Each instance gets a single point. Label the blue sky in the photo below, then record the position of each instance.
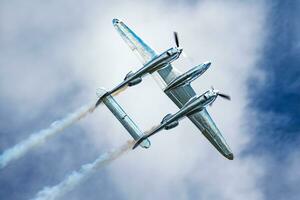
(54, 55)
(281, 63)
(279, 98)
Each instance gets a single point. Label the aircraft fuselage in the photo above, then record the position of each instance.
(188, 76)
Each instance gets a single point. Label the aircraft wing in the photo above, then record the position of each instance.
(179, 95)
(201, 119)
(141, 49)
(209, 129)
(144, 53)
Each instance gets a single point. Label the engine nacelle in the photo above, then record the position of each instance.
(170, 125)
(134, 81)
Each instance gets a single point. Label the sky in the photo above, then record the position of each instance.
(55, 54)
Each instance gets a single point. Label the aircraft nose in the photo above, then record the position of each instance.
(207, 64)
(115, 21)
(230, 156)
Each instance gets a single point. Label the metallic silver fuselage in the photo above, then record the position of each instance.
(188, 76)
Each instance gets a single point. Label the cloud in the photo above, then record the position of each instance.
(85, 50)
(77, 177)
(41, 137)
(293, 178)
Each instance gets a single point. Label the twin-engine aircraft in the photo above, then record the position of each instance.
(174, 84)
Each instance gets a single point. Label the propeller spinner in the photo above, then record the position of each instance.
(224, 96)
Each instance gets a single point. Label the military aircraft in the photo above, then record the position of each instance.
(175, 85)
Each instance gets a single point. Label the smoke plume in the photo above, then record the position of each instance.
(77, 177)
(42, 136)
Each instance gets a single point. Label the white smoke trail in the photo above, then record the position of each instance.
(77, 177)
(40, 137)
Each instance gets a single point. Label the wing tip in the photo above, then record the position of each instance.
(145, 144)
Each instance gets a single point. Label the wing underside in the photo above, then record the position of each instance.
(201, 119)
(180, 95)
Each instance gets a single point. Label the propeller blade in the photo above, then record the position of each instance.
(188, 58)
(176, 39)
(225, 96)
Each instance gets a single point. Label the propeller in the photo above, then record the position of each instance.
(176, 39)
(224, 96)
(188, 58)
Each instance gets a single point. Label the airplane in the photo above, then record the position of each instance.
(175, 85)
